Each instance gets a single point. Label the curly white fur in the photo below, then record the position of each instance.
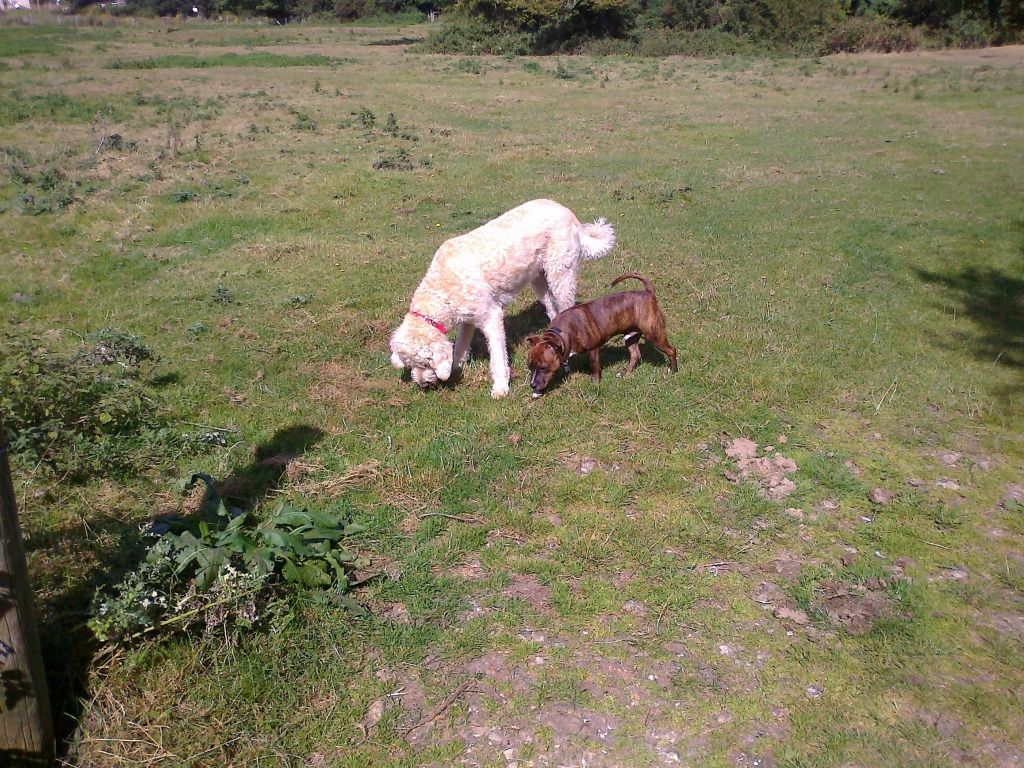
(473, 276)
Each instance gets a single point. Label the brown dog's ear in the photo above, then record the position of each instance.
(532, 340)
(555, 342)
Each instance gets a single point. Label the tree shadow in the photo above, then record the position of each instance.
(994, 301)
(116, 547)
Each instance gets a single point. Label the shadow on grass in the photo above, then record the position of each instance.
(397, 41)
(614, 357)
(247, 486)
(114, 547)
(994, 302)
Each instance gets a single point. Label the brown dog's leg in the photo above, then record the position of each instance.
(656, 335)
(632, 341)
(661, 342)
(595, 363)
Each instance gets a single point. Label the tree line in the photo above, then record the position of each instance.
(654, 26)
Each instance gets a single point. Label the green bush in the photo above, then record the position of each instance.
(469, 36)
(872, 33)
(81, 414)
(966, 30)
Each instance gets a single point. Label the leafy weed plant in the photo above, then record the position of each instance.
(226, 572)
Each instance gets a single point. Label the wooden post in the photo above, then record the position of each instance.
(26, 731)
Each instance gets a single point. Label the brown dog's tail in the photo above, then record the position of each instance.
(636, 276)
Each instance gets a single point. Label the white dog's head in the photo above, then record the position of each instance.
(423, 349)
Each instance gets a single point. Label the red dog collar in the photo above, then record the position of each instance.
(430, 320)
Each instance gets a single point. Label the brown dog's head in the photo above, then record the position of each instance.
(546, 355)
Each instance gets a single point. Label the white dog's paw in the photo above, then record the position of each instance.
(499, 390)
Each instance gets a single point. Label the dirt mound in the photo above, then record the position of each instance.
(856, 607)
(771, 473)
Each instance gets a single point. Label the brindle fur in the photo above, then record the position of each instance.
(586, 327)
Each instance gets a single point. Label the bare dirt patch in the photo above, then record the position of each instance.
(346, 386)
(856, 607)
(469, 569)
(495, 670)
(1010, 624)
(528, 588)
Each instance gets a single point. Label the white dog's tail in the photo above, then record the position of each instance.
(596, 239)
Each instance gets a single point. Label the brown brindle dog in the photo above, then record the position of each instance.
(586, 327)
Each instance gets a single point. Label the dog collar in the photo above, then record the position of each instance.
(558, 333)
(430, 320)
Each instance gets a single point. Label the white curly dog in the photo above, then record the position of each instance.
(473, 276)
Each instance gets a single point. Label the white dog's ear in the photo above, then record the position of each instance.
(397, 361)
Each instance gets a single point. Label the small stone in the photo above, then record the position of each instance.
(374, 713)
(916, 482)
(767, 593)
(815, 691)
(881, 496)
(1013, 498)
(948, 458)
(791, 614)
(795, 513)
(21, 298)
(635, 607)
(949, 485)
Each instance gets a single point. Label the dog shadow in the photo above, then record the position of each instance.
(614, 356)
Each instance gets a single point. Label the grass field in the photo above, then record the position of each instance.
(599, 577)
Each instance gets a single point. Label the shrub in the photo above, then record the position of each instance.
(87, 413)
(223, 571)
(872, 33)
(965, 30)
(698, 43)
(463, 35)
(45, 187)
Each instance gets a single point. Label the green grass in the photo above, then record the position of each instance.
(838, 247)
(260, 59)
